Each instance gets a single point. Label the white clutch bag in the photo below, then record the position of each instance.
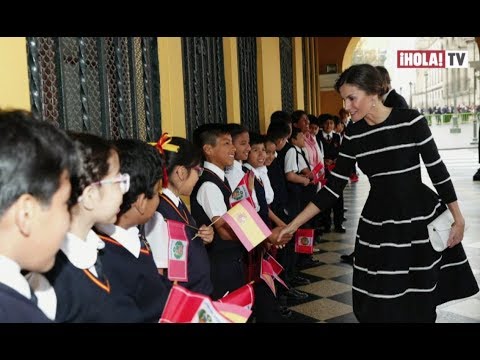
(439, 231)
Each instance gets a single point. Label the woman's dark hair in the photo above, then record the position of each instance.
(94, 154)
(144, 164)
(364, 76)
(188, 155)
(33, 156)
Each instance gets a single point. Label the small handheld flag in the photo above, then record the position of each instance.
(177, 251)
(318, 173)
(304, 241)
(242, 191)
(243, 296)
(247, 225)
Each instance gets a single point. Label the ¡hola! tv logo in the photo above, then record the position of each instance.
(432, 59)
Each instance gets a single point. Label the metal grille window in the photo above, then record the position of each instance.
(286, 70)
(106, 86)
(247, 73)
(204, 81)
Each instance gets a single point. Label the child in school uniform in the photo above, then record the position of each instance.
(36, 163)
(210, 200)
(81, 287)
(279, 131)
(266, 308)
(128, 258)
(331, 145)
(235, 173)
(182, 163)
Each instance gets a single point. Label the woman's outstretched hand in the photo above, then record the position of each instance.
(285, 233)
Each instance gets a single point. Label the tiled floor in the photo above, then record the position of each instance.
(330, 290)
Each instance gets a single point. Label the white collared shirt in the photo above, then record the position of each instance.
(156, 232)
(269, 194)
(209, 196)
(234, 174)
(82, 253)
(10, 276)
(328, 134)
(291, 160)
(127, 238)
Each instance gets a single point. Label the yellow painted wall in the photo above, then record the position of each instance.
(232, 85)
(172, 96)
(298, 98)
(269, 82)
(14, 91)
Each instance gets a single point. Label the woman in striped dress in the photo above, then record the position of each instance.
(398, 276)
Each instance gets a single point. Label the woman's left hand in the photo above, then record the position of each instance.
(456, 234)
(206, 233)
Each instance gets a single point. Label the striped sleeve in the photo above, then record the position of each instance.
(338, 178)
(431, 158)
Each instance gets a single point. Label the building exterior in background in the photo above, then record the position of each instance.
(445, 89)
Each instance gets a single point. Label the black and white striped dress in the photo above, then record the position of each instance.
(397, 274)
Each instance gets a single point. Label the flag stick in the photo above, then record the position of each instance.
(218, 218)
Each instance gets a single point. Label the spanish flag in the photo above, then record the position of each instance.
(247, 225)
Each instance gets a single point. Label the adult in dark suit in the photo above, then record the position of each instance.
(391, 98)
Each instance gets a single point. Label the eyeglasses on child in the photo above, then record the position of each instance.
(123, 179)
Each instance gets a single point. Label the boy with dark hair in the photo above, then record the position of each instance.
(36, 163)
(210, 200)
(128, 260)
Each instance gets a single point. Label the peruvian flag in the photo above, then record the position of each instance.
(177, 251)
(266, 274)
(185, 306)
(319, 174)
(276, 269)
(243, 296)
(243, 191)
(304, 241)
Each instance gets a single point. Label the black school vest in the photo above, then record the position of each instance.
(225, 249)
